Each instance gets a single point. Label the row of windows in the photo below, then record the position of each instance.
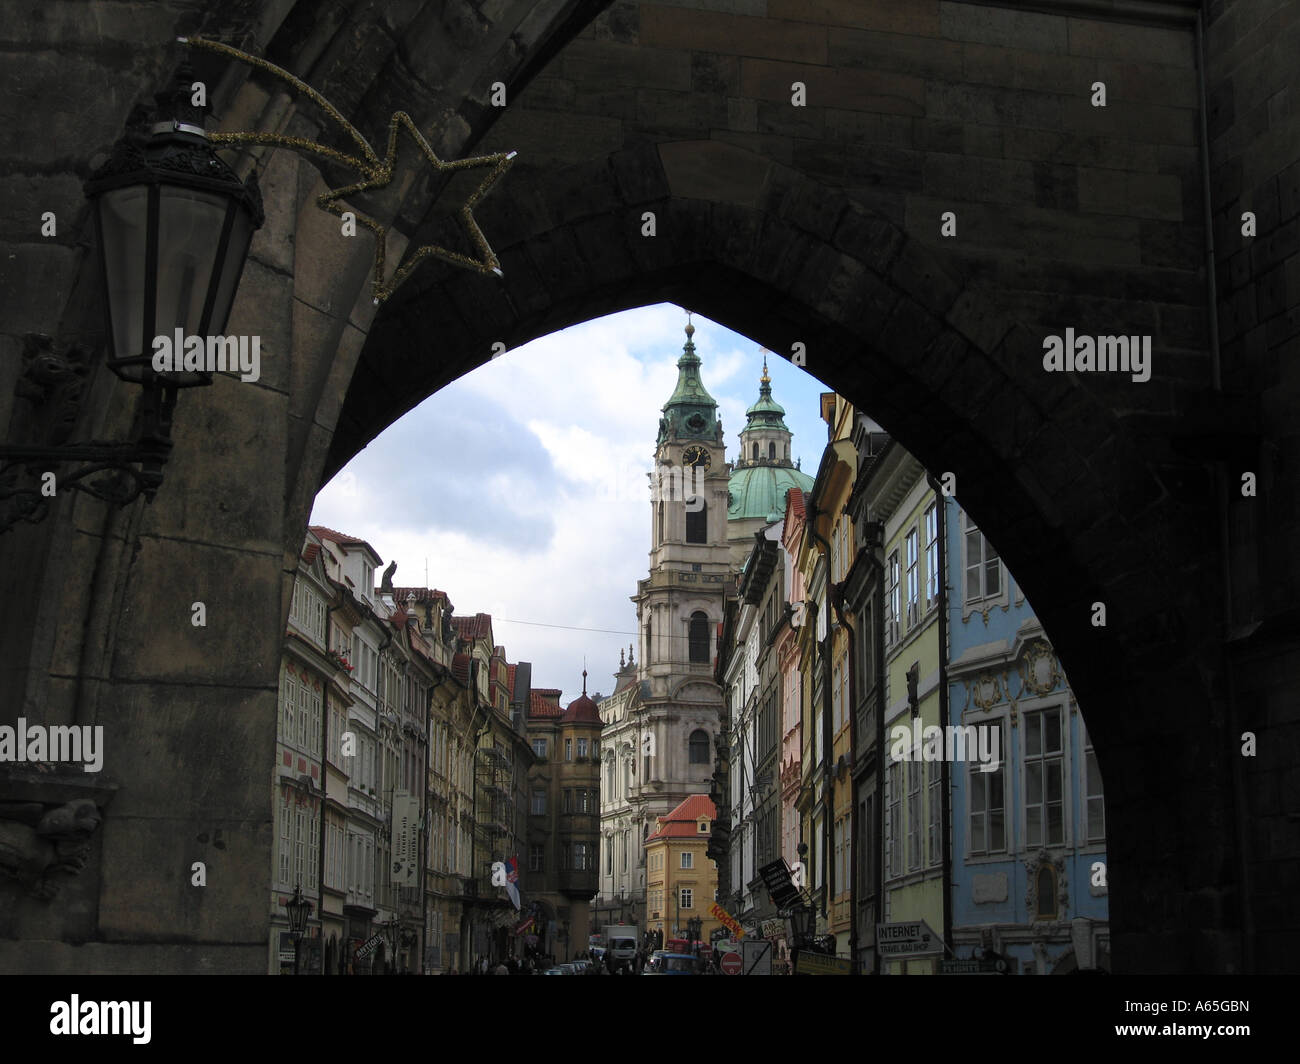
(585, 748)
(771, 451)
(1044, 771)
(579, 800)
(624, 845)
(920, 586)
(697, 637)
(685, 899)
(697, 520)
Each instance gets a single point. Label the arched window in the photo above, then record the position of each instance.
(697, 522)
(1046, 883)
(699, 746)
(647, 656)
(787, 452)
(755, 452)
(771, 451)
(660, 538)
(699, 638)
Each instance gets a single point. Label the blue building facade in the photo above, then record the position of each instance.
(1029, 839)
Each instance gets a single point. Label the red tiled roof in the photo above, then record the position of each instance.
(422, 594)
(794, 502)
(477, 627)
(311, 552)
(510, 677)
(682, 822)
(460, 668)
(343, 539)
(582, 710)
(540, 706)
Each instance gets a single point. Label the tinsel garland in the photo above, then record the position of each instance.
(376, 173)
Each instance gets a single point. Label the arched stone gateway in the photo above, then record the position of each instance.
(816, 225)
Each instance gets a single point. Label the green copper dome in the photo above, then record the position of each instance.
(690, 410)
(759, 491)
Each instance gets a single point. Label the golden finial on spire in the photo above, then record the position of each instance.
(765, 379)
(690, 329)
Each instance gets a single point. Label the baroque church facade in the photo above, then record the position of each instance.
(666, 712)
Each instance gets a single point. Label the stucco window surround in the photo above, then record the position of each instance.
(1046, 870)
(1069, 774)
(982, 604)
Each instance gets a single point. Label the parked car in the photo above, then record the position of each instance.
(552, 971)
(671, 964)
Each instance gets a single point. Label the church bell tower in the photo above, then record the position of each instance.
(680, 604)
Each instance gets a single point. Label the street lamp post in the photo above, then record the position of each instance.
(174, 224)
(298, 908)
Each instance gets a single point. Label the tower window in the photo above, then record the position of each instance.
(756, 452)
(771, 451)
(697, 522)
(699, 638)
(699, 747)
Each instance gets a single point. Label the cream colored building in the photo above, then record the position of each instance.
(681, 880)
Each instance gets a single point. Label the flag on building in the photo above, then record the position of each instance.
(512, 881)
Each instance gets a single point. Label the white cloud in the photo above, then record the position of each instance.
(552, 523)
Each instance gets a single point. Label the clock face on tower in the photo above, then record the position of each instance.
(696, 456)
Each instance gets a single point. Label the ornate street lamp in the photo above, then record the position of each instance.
(298, 908)
(174, 224)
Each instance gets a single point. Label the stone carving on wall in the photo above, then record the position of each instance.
(39, 841)
(1039, 671)
(986, 692)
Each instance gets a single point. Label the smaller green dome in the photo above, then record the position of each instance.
(759, 491)
(766, 413)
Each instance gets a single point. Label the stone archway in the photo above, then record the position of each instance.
(785, 227)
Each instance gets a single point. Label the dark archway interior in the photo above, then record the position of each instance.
(819, 227)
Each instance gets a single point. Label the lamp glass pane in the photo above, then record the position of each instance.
(189, 233)
(241, 235)
(124, 226)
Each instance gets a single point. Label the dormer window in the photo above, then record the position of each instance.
(704, 826)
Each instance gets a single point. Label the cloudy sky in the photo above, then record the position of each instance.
(531, 502)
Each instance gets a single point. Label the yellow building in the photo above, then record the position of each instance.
(681, 880)
(903, 499)
(826, 797)
(831, 530)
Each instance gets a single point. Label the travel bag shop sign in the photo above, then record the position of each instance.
(911, 939)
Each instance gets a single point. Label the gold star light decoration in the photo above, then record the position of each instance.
(375, 172)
